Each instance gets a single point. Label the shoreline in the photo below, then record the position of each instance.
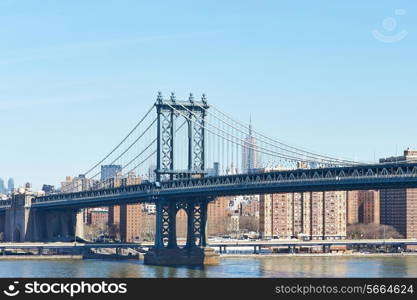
(41, 257)
(222, 256)
(319, 255)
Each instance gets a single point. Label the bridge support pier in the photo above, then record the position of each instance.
(166, 250)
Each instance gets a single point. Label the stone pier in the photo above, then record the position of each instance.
(166, 251)
(182, 256)
(24, 223)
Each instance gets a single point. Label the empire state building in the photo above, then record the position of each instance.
(250, 158)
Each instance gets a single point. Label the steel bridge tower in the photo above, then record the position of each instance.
(168, 111)
(166, 250)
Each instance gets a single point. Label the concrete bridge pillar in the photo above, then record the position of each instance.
(2, 226)
(17, 218)
(79, 223)
(22, 222)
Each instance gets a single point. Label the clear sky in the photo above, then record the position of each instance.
(75, 76)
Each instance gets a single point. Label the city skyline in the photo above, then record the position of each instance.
(7, 188)
(305, 79)
(231, 139)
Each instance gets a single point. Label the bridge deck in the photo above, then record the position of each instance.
(361, 177)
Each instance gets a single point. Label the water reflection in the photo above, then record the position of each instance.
(261, 266)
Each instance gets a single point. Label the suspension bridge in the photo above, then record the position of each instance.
(186, 154)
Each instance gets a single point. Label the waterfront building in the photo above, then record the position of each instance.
(398, 207)
(334, 215)
(369, 207)
(97, 216)
(250, 208)
(130, 215)
(318, 215)
(124, 220)
(352, 207)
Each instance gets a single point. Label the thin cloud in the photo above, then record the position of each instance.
(56, 51)
(19, 104)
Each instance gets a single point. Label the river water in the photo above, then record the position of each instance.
(261, 266)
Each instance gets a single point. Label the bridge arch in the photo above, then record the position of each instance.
(181, 220)
(187, 220)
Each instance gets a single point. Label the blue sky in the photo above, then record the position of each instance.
(75, 76)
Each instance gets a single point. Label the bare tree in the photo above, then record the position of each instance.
(114, 231)
(91, 232)
(372, 231)
(249, 223)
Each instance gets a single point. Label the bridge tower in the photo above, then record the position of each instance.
(194, 112)
(166, 250)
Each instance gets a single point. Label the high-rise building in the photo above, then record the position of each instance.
(352, 207)
(97, 216)
(319, 215)
(124, 219)
(215, 171)
(250, 157)
(334, 215)
(110, 171)
(250, 208)
(10, 185)
(265, 215)
(2, 187)
(130, 215)
(362, 207)
(151, 173)
(369, 204)
(110, 177)
(76, 184)
(398, 207)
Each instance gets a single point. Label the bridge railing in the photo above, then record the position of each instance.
(290, 176)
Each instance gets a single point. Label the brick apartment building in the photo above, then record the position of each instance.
(398, 207)
(318, 215)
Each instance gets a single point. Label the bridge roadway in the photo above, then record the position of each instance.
(364, 177)
(298, 243)
(68, 245)
(260, 243)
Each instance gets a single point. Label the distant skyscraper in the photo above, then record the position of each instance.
(215, 171)
(151, 173)
(110, 171)
(10, 185)
(232, 170)
(2, 187)
(250, 159)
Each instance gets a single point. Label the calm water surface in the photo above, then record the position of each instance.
(277, 267)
